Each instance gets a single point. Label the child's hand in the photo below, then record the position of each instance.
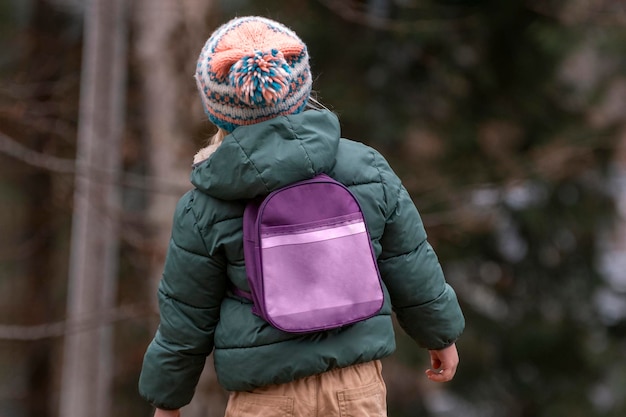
(443, 364)
(166, 413)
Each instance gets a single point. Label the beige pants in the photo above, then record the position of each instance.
(355, 391)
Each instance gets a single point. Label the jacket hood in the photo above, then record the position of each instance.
(257, 159)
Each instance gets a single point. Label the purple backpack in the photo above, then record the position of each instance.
(309, 259)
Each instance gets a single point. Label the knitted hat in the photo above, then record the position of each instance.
(252, 69)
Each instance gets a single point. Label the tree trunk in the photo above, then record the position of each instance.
(87, 362)
(170, 36)
(167, 140)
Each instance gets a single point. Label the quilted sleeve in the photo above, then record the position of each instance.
(425, 305)
(190, 293)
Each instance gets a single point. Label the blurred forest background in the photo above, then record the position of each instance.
(505, 119)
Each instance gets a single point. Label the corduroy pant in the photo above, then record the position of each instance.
(355, 391)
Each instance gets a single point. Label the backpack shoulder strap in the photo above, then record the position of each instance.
(240, 293)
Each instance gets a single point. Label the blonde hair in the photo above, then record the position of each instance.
(218, 137)
(213, 143)
(314, 103)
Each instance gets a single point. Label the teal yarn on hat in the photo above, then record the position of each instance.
(250, 70)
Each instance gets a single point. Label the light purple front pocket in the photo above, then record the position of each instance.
(301, 295)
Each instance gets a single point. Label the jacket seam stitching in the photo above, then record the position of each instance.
(169, 297)
(236, 140)
(283, 340)
(407, 253)
(189, 251)
(380, 176)
(299, 141)
(230, 219)
(199, 356)
(198, 229)
(426, 303)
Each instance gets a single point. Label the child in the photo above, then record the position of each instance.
(254, 79)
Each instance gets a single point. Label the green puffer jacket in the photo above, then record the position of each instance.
(200, 315)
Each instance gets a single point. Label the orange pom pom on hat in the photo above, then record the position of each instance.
(252, 69)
